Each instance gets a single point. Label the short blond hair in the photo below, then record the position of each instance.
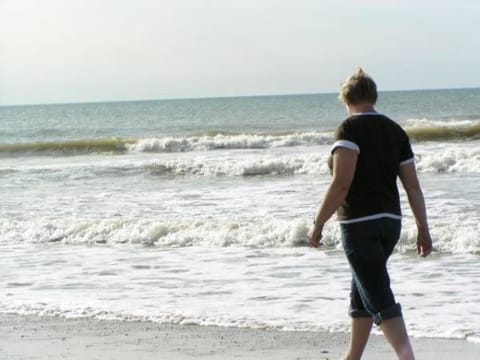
(358, 88)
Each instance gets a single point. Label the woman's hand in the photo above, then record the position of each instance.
(424, 243)
(315, 235)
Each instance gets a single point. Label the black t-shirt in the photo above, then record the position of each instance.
(382, 146)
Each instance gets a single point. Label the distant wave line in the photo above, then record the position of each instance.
(210, 141)
(418, 130)
(69, 147)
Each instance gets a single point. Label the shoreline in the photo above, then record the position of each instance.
(34, 337)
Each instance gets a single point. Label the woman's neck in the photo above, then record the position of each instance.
(360, 108)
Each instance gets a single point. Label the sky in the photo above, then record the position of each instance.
(55, 51)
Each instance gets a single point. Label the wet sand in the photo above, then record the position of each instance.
(31, 337)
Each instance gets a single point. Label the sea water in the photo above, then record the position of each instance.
(196, 212)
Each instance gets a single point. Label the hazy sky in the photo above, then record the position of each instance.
(96, 50)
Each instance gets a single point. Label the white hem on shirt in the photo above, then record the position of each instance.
(371, 217)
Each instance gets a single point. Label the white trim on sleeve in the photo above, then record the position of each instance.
(345, 144)
(408, 161)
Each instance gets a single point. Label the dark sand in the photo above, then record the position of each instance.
(31, 337)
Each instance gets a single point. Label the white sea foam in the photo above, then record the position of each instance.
(430, 123)
(221, 141)
(288, 289)
(244, 166)
(167, 233)
(226, 165)
(430, 158)
(449, 159)
(453, 158)
(422, 129)
(450, 236)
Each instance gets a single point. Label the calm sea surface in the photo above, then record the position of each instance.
(196, 211)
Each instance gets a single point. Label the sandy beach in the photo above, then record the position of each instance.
(30, 337)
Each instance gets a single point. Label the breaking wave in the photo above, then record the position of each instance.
(453, 158)
(418, 129)
(430, 130)
(454, 237)
(170, 144)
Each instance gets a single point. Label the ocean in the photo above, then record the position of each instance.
(196, 211)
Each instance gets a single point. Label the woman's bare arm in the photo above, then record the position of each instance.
(408, 176)
(344, 164)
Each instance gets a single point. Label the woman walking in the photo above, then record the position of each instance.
(369, 152)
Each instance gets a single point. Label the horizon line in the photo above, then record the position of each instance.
(219, 97)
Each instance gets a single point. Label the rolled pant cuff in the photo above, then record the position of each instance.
(390, 313)
(359, 314)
